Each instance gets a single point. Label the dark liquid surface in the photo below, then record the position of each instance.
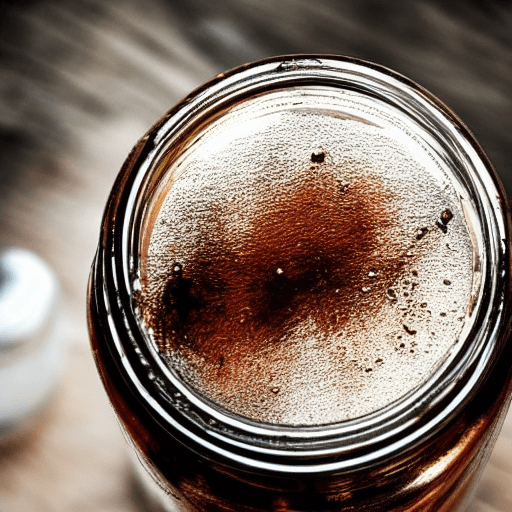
(307, 268)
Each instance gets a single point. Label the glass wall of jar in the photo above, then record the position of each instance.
(391, 193)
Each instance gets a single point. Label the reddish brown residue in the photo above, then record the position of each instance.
(308, 253)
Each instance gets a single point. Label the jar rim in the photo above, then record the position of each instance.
(332, 447)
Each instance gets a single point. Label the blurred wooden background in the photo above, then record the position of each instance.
(81, 81)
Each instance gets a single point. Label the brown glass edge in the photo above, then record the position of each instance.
(123, 183)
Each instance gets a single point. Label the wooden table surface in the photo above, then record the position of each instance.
(82, 81)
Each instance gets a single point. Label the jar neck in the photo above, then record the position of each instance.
(351, 444)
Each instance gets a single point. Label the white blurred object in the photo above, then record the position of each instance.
(31, 351)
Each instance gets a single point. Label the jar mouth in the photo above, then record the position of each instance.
(351, 442)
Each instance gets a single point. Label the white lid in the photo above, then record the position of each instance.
(28, 294)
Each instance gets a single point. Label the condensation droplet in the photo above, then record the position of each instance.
(446, 216)
(275, 390)
(391, 294)
(420, 233)
(408, 330)
(318, 156)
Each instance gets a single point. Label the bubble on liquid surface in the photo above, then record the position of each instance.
(279, 263)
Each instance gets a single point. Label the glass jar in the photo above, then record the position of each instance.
(418, 443)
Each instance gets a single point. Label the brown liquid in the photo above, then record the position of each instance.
(305, 285)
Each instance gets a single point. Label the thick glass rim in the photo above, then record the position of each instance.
(332, 447)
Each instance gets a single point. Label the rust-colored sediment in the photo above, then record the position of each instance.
(307, 255)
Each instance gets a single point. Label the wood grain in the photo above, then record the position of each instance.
(82, 81)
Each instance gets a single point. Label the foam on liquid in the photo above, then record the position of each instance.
(309, 261)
